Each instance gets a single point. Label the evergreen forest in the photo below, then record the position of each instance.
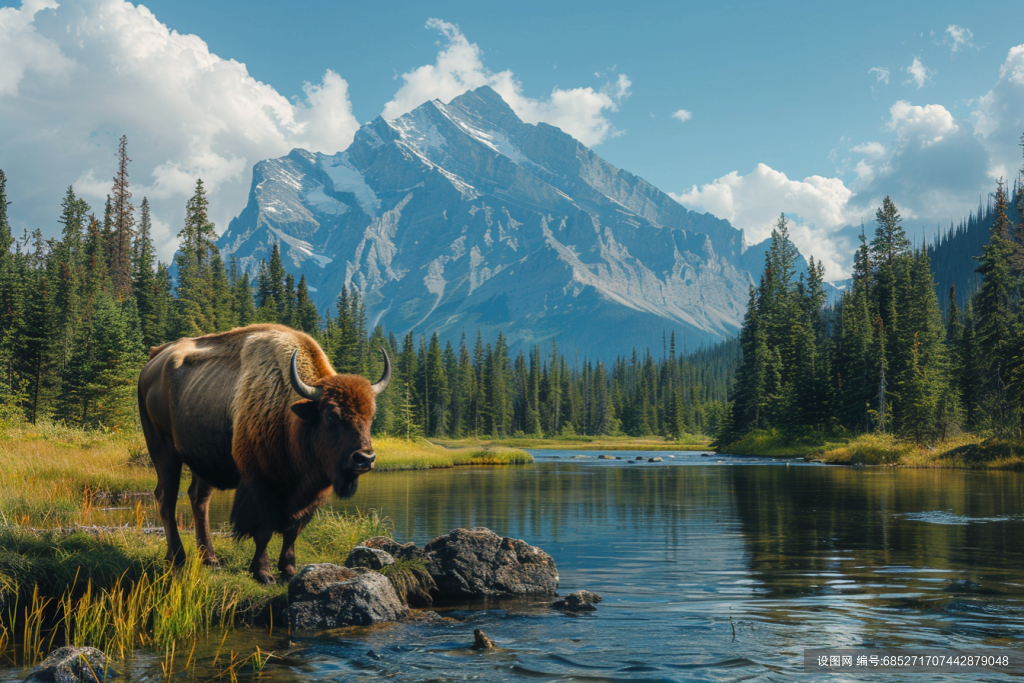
(887, 358)
(78, 314)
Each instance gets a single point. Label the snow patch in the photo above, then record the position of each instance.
(323, 203)
(346, 178)
(301, 247)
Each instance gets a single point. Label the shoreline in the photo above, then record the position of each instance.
(597, 443)
(962, 452)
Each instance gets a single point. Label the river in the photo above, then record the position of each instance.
(712, 569)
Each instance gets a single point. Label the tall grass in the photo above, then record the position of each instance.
(399, 454)
(113, 590)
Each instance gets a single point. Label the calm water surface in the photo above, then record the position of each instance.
(712, 569)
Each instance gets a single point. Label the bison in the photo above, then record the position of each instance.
(225, 405)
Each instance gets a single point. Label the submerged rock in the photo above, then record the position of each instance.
(73, 665)
(325, 596)
(962, 586)
(478, 563)
(481, 641)
(371, 558)
(655, 460)
(580, 601)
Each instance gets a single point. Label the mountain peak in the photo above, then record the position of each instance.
(458, 216)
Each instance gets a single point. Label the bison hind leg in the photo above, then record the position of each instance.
(199, 493)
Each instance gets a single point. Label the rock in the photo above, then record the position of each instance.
(705, 455)
(605, 457)
(481, 641)
(639, 458)
(478, 563)
(430, 617)
(580, 601)
(618, 457)
(73, 665)
(962, 586)
(655, 460)
(400, 551)
(371, 558)
(325, 596)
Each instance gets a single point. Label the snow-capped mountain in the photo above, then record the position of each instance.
(460, 216)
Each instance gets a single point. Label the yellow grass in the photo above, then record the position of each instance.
(51, 475)
(399, 454)
(964, 451)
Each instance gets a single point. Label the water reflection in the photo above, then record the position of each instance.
(710, 571)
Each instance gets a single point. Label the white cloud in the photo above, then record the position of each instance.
(881, 74)
(580, 112)
(753, 202)
(79, 75)
(958, 38)
(999, 118)
(871, 149)
(683, 115)
(928, 124)
(919, 73)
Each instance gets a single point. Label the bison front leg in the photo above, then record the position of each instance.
(260, 566)
(199, 492)
(286, 565)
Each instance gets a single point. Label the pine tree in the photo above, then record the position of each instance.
(196, 298)
(122, 226)
(244, 308)
(222, 305)
(11, 301)
(34, 335)
(306, 316)
(144, 279)
(994, 310)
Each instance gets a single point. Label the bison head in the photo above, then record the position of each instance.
(338, 412)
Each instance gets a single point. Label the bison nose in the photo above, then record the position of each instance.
(363, 461)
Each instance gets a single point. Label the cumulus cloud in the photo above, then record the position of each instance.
(580, 112)
(918, 72)
(958, 38)
(881, 74)
(999, 118)
(929, 124)
(79, 75)
(682, 115)
(818, 206)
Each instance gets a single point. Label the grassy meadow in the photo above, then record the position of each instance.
(70, 575)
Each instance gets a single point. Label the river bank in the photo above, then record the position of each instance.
(963, 452)
(51, 475)
(582, 443)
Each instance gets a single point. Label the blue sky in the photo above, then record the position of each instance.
(919, 100)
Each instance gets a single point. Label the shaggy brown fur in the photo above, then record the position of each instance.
(223, 405)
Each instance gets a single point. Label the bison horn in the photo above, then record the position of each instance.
(382, 383)
(300, 387)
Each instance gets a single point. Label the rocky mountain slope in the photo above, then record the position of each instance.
(460, 216)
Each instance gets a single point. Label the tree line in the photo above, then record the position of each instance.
(885, 358)
(79, 311)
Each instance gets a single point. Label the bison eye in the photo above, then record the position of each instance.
(332, 418)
